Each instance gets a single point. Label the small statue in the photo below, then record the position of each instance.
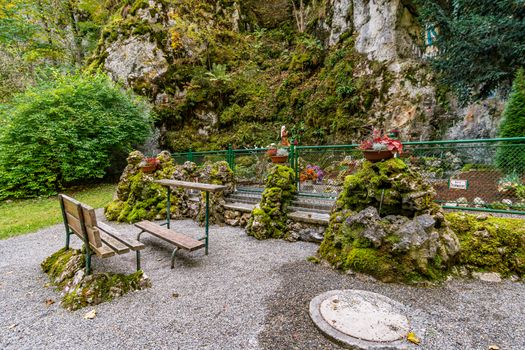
(284, 137)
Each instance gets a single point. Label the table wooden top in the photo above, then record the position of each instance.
(192, 185)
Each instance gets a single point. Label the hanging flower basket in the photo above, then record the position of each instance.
(377, 156)
(279, 159)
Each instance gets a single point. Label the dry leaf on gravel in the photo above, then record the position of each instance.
(50, 302)
(412, 337)
(494, 347)
(91, 315)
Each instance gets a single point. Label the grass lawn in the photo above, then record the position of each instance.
(24, 216)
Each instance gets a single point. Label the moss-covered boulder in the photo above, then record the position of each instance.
(490, 244)
(386, 224)
(391, 186)
(139, 198)
(66, 271)
(268, 219)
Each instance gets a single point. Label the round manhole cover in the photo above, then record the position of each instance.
(360, 315)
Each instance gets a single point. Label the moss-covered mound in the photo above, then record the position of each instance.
(268, 220)
(66, 271)
(139, 198)
(385, 224)
(390, 185)
(490, 244)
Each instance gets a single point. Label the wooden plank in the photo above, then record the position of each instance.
(90, 221)
(133, 244)
(116, 245)
(75, 225)
(71, 206)
(103, 251)
(178, 239)
(191, 185)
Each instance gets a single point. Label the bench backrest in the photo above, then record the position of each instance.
(81, 219)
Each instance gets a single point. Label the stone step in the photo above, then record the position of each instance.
(242, 207)
(242, 200)
(310, 218)
(309, 210)
(313, 205)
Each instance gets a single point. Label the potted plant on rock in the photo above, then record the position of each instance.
(149, 165)
(380, 147)
(281, 156)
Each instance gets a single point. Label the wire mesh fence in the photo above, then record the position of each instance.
(485, 175)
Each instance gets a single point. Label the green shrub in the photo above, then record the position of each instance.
(66, 131)
(511, 158)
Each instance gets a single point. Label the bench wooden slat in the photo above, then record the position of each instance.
(116, 245)
(133, 244)
(71, 206)
(90, 222)
(103, 251)
(178, 239)
(76, 227)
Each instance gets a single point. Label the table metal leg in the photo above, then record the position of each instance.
(168, 208)
(207, 221)
(173, 257)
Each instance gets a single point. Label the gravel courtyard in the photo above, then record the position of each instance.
(246, 294)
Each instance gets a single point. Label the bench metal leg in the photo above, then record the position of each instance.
(138, 235)
(88, 262)
(138, 260)
(173, 257)
(207, 221)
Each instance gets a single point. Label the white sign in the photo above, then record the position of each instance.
(458, 184)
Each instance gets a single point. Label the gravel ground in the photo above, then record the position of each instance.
(246, 294)
(457, 315)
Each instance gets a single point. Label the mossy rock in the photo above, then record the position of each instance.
(65, 269)
(490, 243)
(269, 220)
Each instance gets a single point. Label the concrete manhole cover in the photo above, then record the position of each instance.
(361, 319)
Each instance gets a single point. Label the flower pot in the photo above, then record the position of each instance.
(377, 156)
(272, 152)
(149, 168)
(279, 159)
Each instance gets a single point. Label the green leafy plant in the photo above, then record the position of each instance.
(508, 158)
(66, 131)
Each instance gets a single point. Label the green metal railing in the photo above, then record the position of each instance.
(482, 174)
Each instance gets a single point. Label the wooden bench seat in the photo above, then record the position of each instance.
(99, 238)
(181, 241)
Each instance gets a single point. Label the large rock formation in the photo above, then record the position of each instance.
(386, 224)
(215, 79)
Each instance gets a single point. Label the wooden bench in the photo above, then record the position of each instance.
(181, 241)
(99, 238)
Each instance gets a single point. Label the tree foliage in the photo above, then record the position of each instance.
(66, 131)
(508, 158)
(481, 42)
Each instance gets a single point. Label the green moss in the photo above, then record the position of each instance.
(269, 221)
(370, 261)
(492, 244)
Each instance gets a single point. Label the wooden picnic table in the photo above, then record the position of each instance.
(205, 187)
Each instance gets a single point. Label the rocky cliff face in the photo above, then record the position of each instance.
(225, 72)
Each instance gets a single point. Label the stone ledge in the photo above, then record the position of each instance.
(242, 207)
(311, 218)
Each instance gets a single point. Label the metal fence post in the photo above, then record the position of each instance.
(230, 158)
(190, 155)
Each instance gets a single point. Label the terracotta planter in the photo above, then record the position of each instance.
(272, 152)
(149, 168)
(377, 156)
(279, 159)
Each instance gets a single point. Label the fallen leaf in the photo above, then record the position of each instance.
(50, 302)
(175, 295)
(412, 337)
(13, 326)
(91, 315)
(494, 347)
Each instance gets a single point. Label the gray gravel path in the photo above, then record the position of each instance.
(246, 294)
